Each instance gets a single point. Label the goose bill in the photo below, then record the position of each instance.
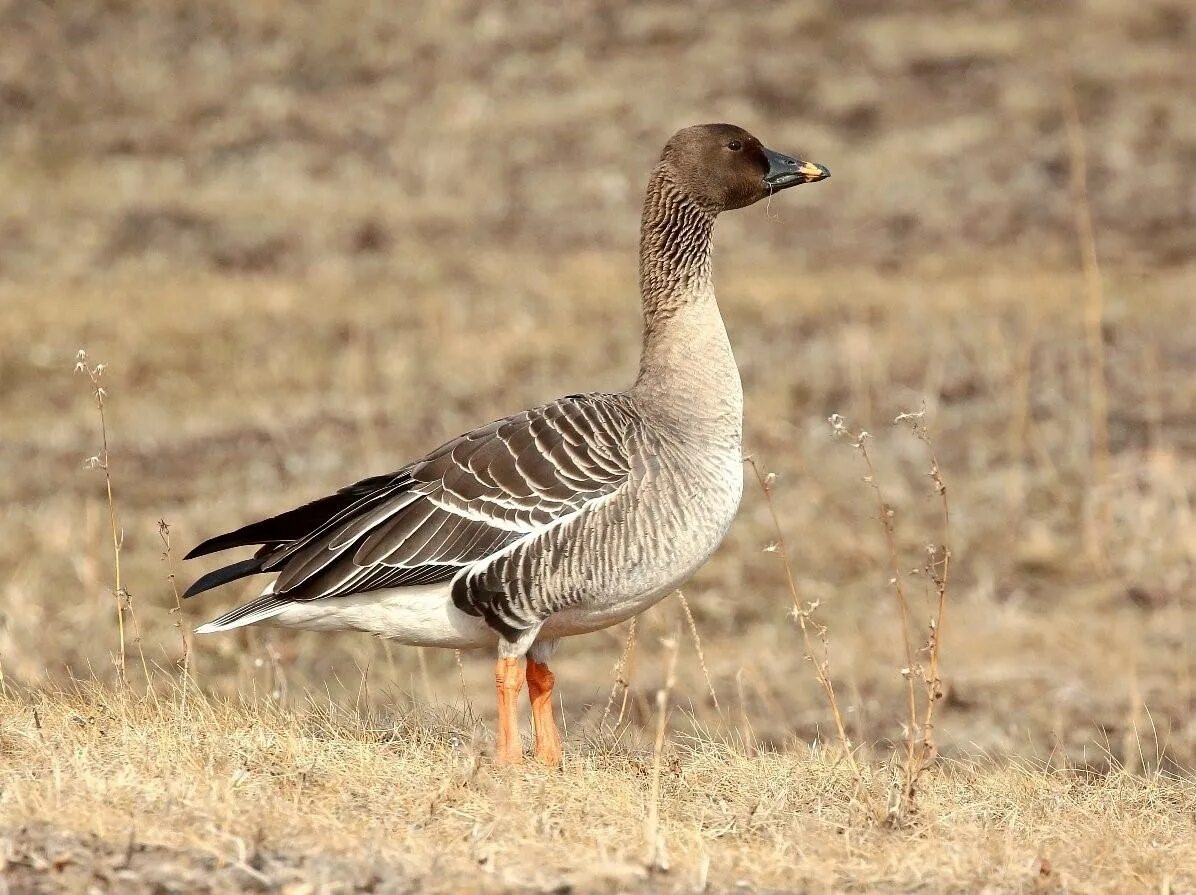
(785, 171)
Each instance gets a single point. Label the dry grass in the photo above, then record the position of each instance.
(249, 795)
(269, 241)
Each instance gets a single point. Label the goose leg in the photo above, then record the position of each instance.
(508, 679)
(539, 689)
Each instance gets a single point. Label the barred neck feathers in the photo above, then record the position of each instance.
(687, 371)
(675, 238)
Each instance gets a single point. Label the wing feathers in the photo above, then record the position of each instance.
(464, 504)
(391, 535)
(357, 526)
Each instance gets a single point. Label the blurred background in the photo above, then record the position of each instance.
(311, 241)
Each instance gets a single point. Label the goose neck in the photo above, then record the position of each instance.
(687, 370)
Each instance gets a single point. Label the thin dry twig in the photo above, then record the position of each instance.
(693, 630)
(184, 661)
(886, 514)
(421, 658)
(919, 741)
(937, 569)
(461, 676)
(620, 680)
(746, 734)
(1099, 517)
(657, 856)
(279, 687)
(124, 603)
(810, 628)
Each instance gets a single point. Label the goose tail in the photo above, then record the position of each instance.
(264, 607)
(224, 575)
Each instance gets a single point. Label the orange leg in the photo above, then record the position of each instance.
(508, 678)
(539, 688)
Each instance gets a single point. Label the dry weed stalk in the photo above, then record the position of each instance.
(124, 600)
(937, 569)
(747, 734)
(920, 746)
(693, 630)
(657, 856)
(1099, 516)
(279, 688)
(619, 673)
(811, 630)
(168, 558)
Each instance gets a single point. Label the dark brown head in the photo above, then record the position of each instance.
(721, 167)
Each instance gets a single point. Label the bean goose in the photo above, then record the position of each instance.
(559, 520)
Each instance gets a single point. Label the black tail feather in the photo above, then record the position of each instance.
(293, 524)
(291, 527)
(224, 575)
(278, 529)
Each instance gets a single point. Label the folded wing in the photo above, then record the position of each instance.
(460, 506)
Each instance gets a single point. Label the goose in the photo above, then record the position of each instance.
(560, 520)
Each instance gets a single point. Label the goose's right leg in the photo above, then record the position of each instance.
(540, 682)
(539, 687)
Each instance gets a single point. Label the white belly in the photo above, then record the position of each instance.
(418, 616)
(426, 616)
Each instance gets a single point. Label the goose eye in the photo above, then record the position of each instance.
(735, 146)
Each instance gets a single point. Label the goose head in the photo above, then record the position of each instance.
(722, 167)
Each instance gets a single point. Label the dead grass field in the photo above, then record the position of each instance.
(227, 797)
(311, 244)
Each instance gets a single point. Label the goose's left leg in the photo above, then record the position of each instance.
(508, 680)
(540, 682)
